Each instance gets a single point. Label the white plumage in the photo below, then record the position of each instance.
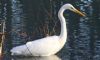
(49, 45)
(35, 47)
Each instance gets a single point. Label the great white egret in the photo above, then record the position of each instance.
(49, 45)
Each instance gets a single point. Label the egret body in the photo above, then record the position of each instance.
(49, 45)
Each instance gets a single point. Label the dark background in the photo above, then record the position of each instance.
(27, 20)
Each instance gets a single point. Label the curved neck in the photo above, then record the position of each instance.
(63, 34)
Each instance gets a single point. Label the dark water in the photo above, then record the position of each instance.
(23, 22)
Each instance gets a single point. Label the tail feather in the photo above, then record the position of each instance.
(20, 50)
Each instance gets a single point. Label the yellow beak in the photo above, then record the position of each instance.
(77, 11)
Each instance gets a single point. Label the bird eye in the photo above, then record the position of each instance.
(71, 7)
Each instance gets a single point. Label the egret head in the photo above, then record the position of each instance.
(72, 8)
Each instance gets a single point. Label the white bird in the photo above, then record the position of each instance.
(49, 45)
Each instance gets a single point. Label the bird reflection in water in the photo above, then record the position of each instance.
(52, 57)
